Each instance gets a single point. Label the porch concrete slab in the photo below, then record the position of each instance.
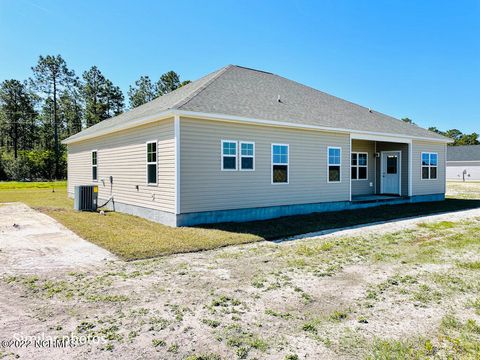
(374, 197)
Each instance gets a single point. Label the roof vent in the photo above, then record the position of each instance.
(369, 110)
(279, 99)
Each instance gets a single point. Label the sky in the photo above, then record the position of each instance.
(416, 59)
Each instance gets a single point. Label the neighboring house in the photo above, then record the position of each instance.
(463, 163)
(242, 144)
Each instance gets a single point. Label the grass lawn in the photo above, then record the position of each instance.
(134, 238)
(464, 190)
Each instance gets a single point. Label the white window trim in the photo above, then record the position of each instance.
(422, 166)
(272, 163)
(151, 162)
(240, 156)
(222, 155)
(94, 166)
(328, 164)
(358, 166)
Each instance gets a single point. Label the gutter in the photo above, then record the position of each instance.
(128, 125)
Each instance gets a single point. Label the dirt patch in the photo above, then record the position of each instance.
(32, 242)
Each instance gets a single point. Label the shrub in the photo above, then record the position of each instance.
(3, 175)
(16, 169)
(32, 165)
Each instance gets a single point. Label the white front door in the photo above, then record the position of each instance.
(390, 172)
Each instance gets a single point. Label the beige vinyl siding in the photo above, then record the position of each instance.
(204, 187)
(362, 187)
(123, 155)
(426, 187)
(403, 148)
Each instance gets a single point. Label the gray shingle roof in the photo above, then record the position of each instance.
(238, 91)
(463, 153)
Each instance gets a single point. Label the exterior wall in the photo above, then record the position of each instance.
(204, 187)
(365, 187)
(425, 187)
(123, 156)
(455, 170)
(207, 194)
(403, 148)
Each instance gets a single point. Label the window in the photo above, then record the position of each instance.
(94, 165)
(359, 166)
(429, 166)
(334, 164)
(152, 163)
(229, 155)
(392, 164)
(279, 164)
(247, 156)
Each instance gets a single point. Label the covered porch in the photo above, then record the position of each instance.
(380, 169)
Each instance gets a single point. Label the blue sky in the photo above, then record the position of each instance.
(419, 59)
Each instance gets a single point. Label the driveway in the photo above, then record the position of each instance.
(32, 242)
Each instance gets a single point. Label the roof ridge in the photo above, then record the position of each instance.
(187, 99)
(252, 69)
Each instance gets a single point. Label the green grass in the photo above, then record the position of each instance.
(474, 265)
(457, 340)
(134, 238)
(127, 236)
(9, 185)
(463, 190)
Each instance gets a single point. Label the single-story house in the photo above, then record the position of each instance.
(463, 163)
(241, 144)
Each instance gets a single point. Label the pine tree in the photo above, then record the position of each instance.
(92, 91)
(17, 119)
(70, 113)
(52, 77)
(102, 98)
(142, 92)
(168, 82)
(113, 98)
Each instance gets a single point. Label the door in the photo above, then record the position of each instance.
(391, 172)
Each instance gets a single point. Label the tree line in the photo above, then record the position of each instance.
(456, 135)
(36, 114)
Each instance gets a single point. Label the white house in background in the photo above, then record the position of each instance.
(242, 144)
(463, 163)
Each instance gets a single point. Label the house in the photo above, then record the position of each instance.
(242, 144)
(463, 163)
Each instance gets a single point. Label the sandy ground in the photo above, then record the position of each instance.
(32, 242)
(249, 301)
